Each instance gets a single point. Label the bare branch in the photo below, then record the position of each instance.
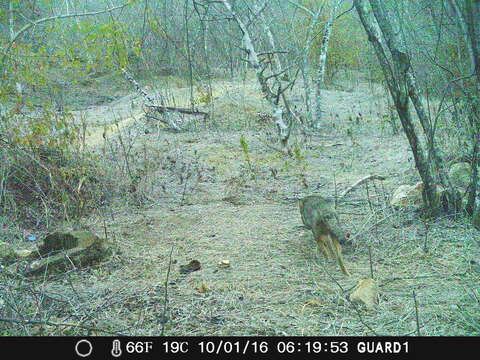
(346, 11)
(57, 17)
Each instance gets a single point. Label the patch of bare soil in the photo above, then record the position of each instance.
(261, 272)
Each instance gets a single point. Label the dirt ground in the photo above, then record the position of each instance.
(245, 212)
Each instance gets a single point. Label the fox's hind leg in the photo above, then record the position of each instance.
(329, 244)
(339, 256)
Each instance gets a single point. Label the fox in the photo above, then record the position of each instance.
(319, 216)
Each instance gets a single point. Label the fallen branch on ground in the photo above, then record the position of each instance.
(162, 109)
(152, 107)
(360, 182)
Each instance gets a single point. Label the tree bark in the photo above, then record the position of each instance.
(270, 37)
(471, 23)
(322, 60)
(253, 60)
(398, 76)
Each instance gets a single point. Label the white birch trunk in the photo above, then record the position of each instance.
(306, 66)
(277, 111)
(322, 60)
(271, 39)
(10, 20)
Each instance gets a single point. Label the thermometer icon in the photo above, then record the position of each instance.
(116, 349)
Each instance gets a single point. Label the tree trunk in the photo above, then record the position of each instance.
(397, 74)
(306, 66)
(462, 24)
(266, 28)
(322, 60)
(472, 11)
(253, 60)
(471, 22)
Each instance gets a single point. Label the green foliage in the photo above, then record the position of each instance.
(244, 145)
(49, 130)
(205, 97)
(246, 154)
(298, 154)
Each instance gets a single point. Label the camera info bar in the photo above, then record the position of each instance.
(92, 347)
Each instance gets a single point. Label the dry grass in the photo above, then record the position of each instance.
(277, 282)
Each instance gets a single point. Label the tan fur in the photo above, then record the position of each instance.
(319, 216)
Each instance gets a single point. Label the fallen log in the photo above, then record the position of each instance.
(150, 106)
(162, 109)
